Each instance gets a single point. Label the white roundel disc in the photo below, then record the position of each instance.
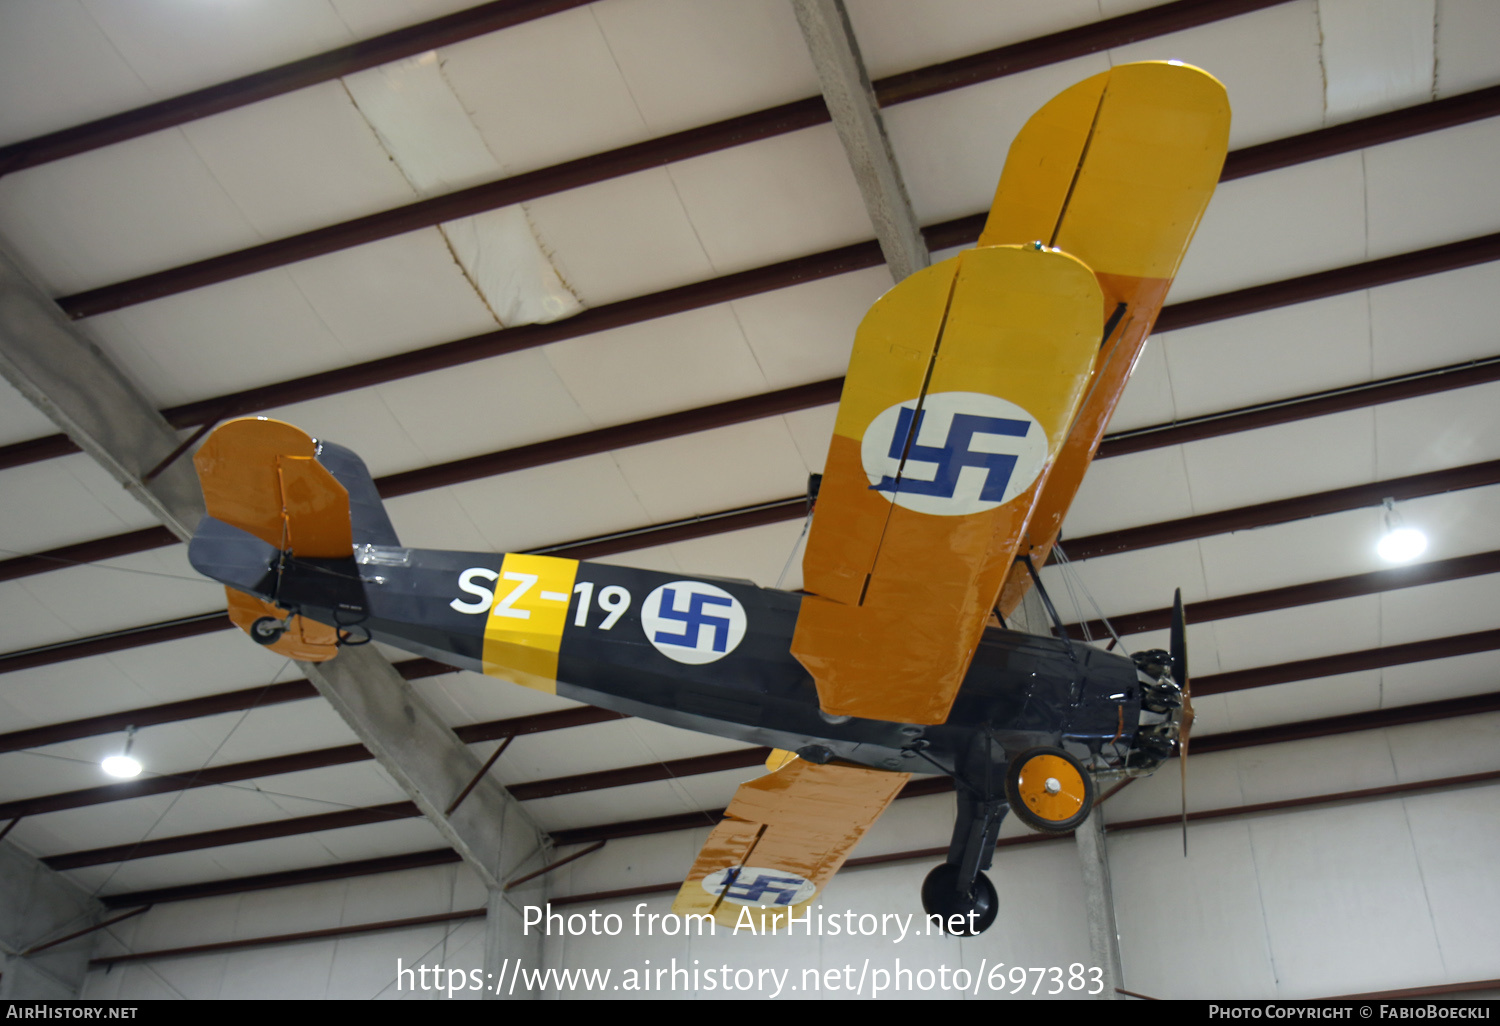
(753, 885)
(693, 622)
(971, 452)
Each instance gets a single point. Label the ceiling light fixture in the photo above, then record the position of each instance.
(1400, 544)
(123, 765)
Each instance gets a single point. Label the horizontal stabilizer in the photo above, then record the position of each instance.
(782, 839)
(263, 476)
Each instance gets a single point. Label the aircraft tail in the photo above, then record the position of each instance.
(272, 491)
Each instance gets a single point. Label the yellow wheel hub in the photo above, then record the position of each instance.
(1052, 788)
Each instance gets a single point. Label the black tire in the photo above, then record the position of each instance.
(1026, 801)
(941, 897)
(267, 630)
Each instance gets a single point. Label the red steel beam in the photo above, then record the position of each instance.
(1135, 623)
(341, 755)
(751, 757)
(1299, 595)
(1338, 500)
(84, 932)
(1448, 112)
(603, 440)
(1348, 662)
(799, 397)
(693, 142)
(351, 930)
(115, 641)
(493, 17)
(1362, 794)
(1304, 407)
(234, 835)
(1408, 993)
(329, 820)
(95, 551)
(169, 712)
(1353, 278)
(1348, 723)
(167, 783)
(1309, 146)
(1424, 712)
(285, 78)
(1239, 810)
(288, 691)
(285, 878)
(1091, 546)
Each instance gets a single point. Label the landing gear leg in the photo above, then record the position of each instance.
(958, 891)
(268, 630)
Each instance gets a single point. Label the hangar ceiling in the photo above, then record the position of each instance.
(582, 278)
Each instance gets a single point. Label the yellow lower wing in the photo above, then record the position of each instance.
(964, 383)
(1114, 173)
(782, 839)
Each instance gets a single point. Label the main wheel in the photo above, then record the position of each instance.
(267, 630)
(941, 897)
(1049, 790)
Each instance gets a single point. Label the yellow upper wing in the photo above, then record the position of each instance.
(1119, 170)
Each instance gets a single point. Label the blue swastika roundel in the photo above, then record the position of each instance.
(693, 622)
(962, 452)
(751, 885)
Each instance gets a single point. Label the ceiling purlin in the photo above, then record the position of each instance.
(1308, 146)
(1084, 547)
(292, 691)
(1283, 511)
(1212, 684)
(625, 160)
(1237, 303)
(1374, 583)
(263, 85)
(1424, 712)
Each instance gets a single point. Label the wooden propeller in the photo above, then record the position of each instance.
(1180, 671)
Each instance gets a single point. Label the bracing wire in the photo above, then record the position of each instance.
(1067, 568)
(806, 523)
(110, 566)
(1067, 579)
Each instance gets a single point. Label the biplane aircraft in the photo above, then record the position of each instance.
(977, 393)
